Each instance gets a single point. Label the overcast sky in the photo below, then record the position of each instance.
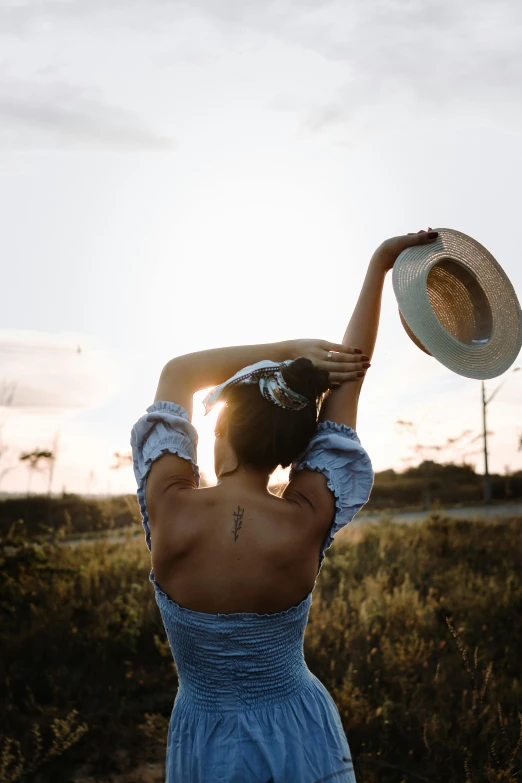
(184, 175)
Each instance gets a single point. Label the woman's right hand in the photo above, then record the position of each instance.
(342, 362)
(387, 253)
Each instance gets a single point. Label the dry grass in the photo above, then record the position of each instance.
(416, 630)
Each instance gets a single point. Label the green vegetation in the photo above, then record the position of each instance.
(433, 483)
(416, 631)
(69, 515)
(428, 484)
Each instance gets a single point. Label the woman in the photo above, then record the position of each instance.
(231, 563)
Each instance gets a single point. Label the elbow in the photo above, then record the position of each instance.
(176, 367)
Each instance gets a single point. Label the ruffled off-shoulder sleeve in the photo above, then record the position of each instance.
(335, 451)
(165, 427)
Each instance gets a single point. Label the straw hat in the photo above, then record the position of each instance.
(458, 305)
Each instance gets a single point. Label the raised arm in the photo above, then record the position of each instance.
(340, 405)
(183, 376)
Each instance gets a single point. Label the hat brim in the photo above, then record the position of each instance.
(481, 358)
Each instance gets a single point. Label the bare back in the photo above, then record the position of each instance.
(230, 552)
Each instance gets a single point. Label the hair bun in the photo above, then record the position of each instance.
(304, 378)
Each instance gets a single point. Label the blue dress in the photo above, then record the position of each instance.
(248, 709)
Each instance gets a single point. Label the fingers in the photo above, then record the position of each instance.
(342, 373)
(422, 237)
(345, 368)
(344, 362)
(338, 378)
(427, 236)
(424, 233)
(338, 348)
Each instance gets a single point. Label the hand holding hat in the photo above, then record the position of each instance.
(388, 252)
(455, 301)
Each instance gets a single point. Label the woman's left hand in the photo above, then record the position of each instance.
(344, 363)
(388, 252)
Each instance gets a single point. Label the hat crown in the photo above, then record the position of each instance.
(459, 301)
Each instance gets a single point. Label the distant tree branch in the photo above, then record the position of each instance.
(122, 460)
(32, 460)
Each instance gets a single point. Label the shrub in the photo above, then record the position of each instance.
(415, 630)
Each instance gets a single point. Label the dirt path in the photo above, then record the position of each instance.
(465, 512)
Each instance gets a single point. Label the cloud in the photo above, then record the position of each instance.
(398, 57)
(58, 115)
(50, 374)
(18, 17)
(417, 57)
(326, 116)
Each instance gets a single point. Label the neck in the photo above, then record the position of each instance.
(245, 478)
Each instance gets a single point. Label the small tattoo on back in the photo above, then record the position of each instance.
(238, 521)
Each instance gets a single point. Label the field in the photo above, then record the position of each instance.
(416, 631)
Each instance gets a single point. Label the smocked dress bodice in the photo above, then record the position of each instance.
(232, 662)
(248, 709)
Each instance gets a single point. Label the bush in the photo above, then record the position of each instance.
(415, 630)
(69, 514)
(78, 630)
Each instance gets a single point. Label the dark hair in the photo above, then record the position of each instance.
(263, 434)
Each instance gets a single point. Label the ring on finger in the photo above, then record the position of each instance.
(329, 356)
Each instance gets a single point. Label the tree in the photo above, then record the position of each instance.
(52, 461)
(7, 391)
(32, 460)
(122, 460)
(90, 480)
(421, 451)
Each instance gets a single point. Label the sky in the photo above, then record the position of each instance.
(177, 176)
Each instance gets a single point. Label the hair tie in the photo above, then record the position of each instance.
(271, 385)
